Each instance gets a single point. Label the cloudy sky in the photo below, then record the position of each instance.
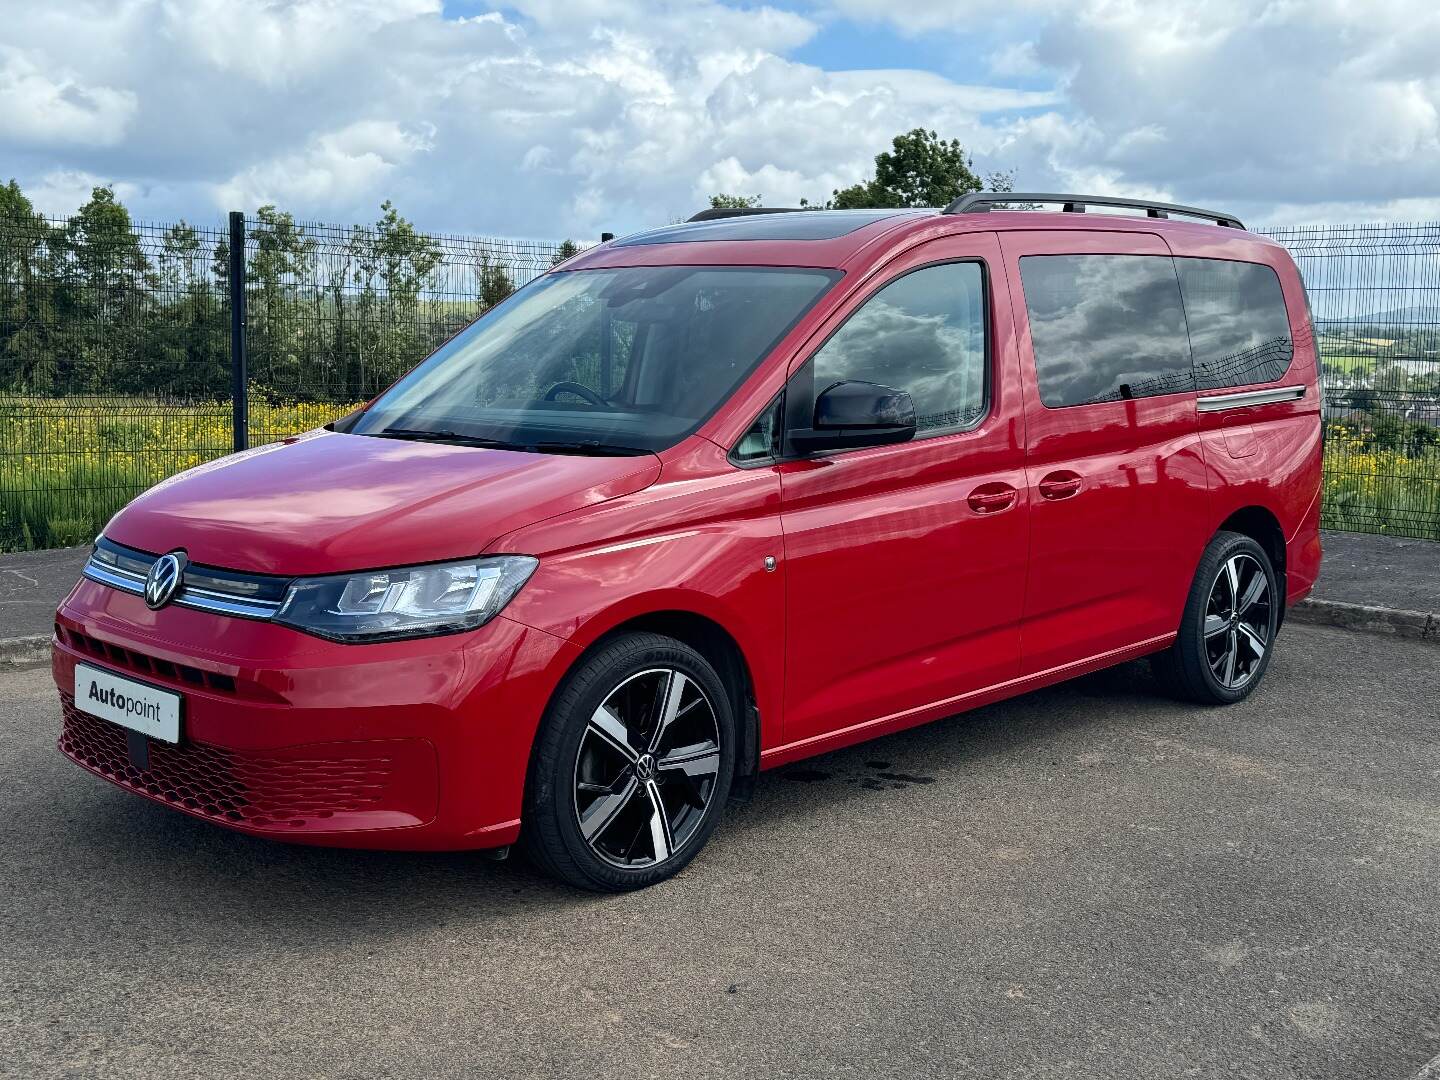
(552, 118)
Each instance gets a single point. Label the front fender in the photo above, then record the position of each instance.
(696, 542)
(582, 596)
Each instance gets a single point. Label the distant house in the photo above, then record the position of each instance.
(1423, 411)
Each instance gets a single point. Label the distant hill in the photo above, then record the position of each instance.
(1401, 316)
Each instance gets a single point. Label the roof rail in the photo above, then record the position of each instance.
(979, 202)
(742, 211)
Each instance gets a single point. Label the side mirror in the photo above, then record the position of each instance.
(851, 414)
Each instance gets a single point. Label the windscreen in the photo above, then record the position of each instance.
(599, 361)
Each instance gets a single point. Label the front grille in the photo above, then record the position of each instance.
(275, 788)
(204, 588)
(146, 665)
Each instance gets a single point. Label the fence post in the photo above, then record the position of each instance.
(239, 381)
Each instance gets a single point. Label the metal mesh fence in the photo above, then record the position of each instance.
(115, 359)
(114, 367)
(336, 314)
(1375, 292)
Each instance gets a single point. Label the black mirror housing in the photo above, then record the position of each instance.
(853, 414)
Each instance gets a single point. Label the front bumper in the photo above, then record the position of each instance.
(417, 744)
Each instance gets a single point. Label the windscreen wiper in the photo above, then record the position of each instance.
(589, 446)
(444, 435)
(592, 447)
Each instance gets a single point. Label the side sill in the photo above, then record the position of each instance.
(868, 729)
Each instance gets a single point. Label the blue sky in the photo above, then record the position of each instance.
(553, 118)
(845, 44)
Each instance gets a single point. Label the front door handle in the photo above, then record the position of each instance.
(1060, 485)
(992, 498)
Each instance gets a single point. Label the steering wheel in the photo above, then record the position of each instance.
(579, 391)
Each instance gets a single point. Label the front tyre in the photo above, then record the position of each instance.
(1228, 630)
(632, 764)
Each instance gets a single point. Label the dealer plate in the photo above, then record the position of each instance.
(128, 702)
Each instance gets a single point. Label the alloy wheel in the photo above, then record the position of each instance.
(646, 768)
(1237, 621)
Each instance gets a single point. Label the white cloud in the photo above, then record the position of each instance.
(58, 193)
(1252, 104)
(913, 17)
(1015, 58)
(565, 117)
(42, 104)
(280, 43)
(342, 166)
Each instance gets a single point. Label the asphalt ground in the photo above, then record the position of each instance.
(1089, 881)
(32, 584)
(1381, 571)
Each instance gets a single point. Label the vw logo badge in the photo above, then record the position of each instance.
(167, 573)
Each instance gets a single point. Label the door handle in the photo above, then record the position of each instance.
(1060, 485)
(992, 498)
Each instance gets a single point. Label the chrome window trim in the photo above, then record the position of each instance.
(195, 599)
(1245, 398)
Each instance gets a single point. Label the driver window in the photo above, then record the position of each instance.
(923, 333)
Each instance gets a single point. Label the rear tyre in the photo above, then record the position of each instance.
(1228, 630)
(631, 766)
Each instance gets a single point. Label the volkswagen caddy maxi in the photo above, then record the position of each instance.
(708, 499)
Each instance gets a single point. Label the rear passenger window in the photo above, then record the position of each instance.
(1105, 327)
(1239, 330)
(924, 333)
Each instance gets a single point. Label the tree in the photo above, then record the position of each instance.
(103, 285)
(921, 169)
(733, 202)
(388, 332)
(30, 332)
(493, 280)
(281, 260)
(1001, 181)
(186, 343)
(566, 249)
(407, 258)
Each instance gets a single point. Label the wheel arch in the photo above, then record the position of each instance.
(712, 640)
(1261, 525)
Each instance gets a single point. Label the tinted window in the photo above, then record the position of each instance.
(923, 333)
(632, 358)
(1239, 330)
(1105, 327)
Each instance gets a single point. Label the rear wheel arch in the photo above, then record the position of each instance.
(1262, 526)
(1227, 630)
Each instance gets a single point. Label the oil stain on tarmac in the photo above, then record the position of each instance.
(879, 778)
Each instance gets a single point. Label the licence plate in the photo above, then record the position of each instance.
(128, 702)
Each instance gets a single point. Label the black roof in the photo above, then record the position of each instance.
(775, 225)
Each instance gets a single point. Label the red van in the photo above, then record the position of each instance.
(710, 499)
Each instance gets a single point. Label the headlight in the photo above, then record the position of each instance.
(383, 605)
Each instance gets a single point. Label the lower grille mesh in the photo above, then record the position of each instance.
(245, 787)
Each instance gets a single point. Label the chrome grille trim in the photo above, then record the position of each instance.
(196, 599)
(116, 579)
(202, 600)
(1246, 398)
